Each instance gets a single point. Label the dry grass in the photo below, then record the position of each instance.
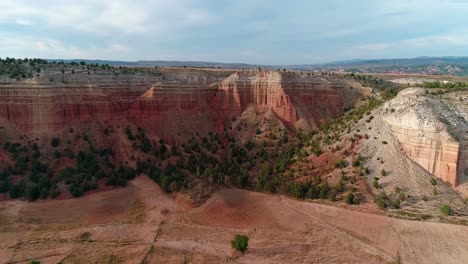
(137, 213)
(109, 259)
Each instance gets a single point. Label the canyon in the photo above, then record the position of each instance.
(175, 104)
(209, 138)
(179, 104)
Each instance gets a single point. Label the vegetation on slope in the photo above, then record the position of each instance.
(273, 161)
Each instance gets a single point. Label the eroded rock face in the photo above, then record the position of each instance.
(44, 109)
(176, 109)
(432, 131)
(297, 100)
(169, 106)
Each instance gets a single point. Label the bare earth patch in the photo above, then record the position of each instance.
(141, 224)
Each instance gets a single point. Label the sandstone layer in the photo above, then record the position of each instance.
(432, 131)
(169, 105)
(305, 102)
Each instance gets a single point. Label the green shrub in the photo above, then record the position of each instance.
(240, 243)
(380, 200)
(129, 133)
(402, 197)
(446, 210)
(383, 172)
(324, 191)
(332, 194)
(340, 164)
(357, 161)
(340, 186)
(375, 183)
(381, 203)
(32, 191)
(349, 198)
(17, 190)
(163, 149)
(433, 181)
(55, 142)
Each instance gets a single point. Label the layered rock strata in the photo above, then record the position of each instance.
(292, 97)
(168, 106)
(433, 132)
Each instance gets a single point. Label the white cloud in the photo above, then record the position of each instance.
(119, 47)
(105, 17)
(32, 47)
(23, 22)
(261, 31)
(453, 39)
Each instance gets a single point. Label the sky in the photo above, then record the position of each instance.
(249, 31)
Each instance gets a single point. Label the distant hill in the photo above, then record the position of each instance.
(421, 65)
(154, 63)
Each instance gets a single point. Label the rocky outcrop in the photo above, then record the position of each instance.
(168, 106)
(175, 110)
(45, 108)
(432, 131)
(303, 101)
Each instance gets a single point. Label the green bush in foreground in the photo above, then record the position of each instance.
(240, 243)
(446, 210)
(349, 198)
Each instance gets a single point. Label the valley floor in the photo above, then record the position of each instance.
(141, 224)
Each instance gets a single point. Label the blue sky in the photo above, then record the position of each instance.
(260, 32)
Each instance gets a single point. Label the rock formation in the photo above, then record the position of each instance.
(45, 108)
(175, 109)
(433, 131)
(176, 106)
(305, 102)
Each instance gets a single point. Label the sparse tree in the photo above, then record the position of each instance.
(446, 210)
(55, 142)
(375, 183)
(349, 198)
(240, 243)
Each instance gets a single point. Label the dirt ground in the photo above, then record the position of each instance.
(141, 224)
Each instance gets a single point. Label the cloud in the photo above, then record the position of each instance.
(23, 22)
(261, 31)
(395, 13)
(32, 47)
(88, 16)
(105, 17)
(453, 39)
(119, 47)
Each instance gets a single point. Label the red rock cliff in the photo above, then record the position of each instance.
(168, 108)
(292, 97)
